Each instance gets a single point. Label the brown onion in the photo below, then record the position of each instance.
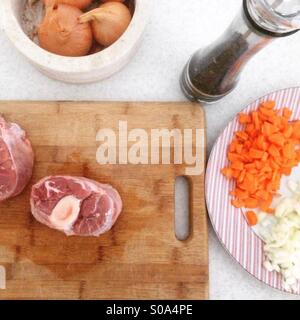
(62, 33)
(109, 22)
(80, 4)
(31, 2)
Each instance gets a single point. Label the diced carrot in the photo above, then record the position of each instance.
(261, 178)
(296, 130)
(268, 129)
(251, 218)
(265, 205)
(232, 147)
(253, 171)
(291, 163)
(274, 151)
(256, 121)
(275, 120)
(288, 151)
(245, 184)
(241, 194)
(267, 112)
(250, 129)
(251, 203)
(268, 104)
(256, 154)
(277, 138)
(265, 157)
(235, 174)
(237, 204)
(288, 132)
(227, 172)
(250, 166)
(244, 118)
(234, 157)
(284, 124)
(274, 165)
(274, 175)
(250, 177)
(242, 135)
(258, 164)
(260, 154)
(237, 165)
(261, 143)
(286, 171)
(241, 177)
(263, 195)
(278, 161)
(239, 148)
(269, 187)
(250, 185)
(287, 113)
(247, 144)
(266, 168)
(295, 141)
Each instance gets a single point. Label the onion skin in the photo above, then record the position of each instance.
(61, 32)
(109, 22)
(113, 0)
(80, 4)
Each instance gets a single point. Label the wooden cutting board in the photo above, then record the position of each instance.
(140, 258)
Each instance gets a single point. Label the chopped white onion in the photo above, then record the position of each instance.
(282, 243)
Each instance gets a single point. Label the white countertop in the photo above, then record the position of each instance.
(177, 29)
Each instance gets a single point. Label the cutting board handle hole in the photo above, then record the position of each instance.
(182, 208)
(2, 278)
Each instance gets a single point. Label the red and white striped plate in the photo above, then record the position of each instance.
(229, 223)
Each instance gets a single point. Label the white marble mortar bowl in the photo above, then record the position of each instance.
(85, 69)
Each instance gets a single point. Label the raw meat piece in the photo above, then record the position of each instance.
(75, 205)
(16, 160)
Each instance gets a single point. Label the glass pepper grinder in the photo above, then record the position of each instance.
(213, 72)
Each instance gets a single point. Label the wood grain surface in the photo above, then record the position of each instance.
(140, 258)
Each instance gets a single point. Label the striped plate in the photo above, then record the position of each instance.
(229, 223)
